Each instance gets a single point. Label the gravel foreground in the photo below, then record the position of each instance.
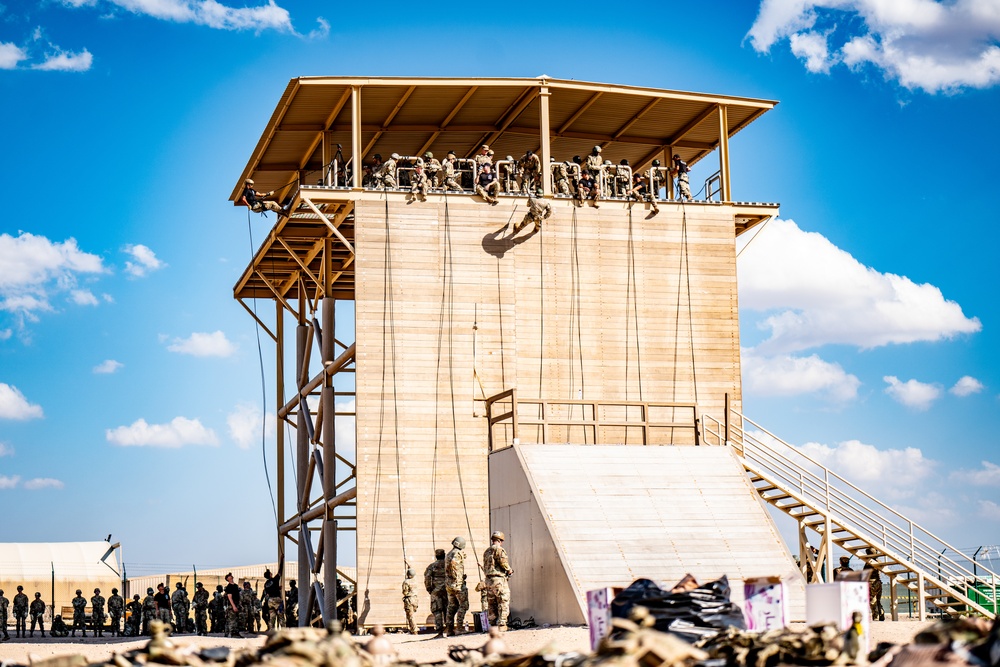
(420, 648)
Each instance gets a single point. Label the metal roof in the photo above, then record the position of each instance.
(413, 115)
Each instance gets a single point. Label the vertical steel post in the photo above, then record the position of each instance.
(329, 440)
(302, 465)
(546, 140)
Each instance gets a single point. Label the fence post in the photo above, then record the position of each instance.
(726, 413)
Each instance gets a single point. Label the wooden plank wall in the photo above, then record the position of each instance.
(461, 311)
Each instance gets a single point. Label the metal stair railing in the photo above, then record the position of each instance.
(819, 493)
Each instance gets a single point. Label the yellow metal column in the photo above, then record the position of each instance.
(279, 390)
(668, 161)
(356, 137)
(724, 152)
(546, 175)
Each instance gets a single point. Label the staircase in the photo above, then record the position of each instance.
(845, 516)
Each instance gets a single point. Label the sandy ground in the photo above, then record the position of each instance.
(421, 648)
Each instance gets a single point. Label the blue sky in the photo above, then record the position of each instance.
(129, 380)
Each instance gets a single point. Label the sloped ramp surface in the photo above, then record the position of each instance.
(580, 517)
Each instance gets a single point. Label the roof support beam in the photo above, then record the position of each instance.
(392, 114)
(579, 112)
(454, 112)
(274, 290)
(257, 319)
(356, 154)
(727, 194)
(333, 227)
(507, 118)
(632, 121)
(695, 122)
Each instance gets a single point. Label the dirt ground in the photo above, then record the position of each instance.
(421, 648)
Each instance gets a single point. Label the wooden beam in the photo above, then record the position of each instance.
(329, 224)
(257, 319)
(388, 121)
(298, 261)
(695, 122)
(507, 118)
(637, 117)
(579, 112)
(277, 295)
(458, 107)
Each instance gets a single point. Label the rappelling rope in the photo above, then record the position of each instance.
(575, 322)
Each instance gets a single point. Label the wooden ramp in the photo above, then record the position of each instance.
(579, 517)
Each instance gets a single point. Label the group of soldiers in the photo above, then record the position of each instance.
(584, 179)
(230, 610)
(874, 581)
(446, 581)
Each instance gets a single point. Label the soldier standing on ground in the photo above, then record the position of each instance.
(20, 612)
(79, 613)
(845, 566)
(434, 582)
(97, 612)
(148, 610)
(135, 620)
(410, 601)
(200, 609)
(497, 570)
(292, 605)
(454, 571)
(179, 604)
(162, 600)
(247, 596)
(37, 610)
(217, 610)
(116, 606)
(232, 602)
(874, 587)
(272, 588)
(680, 170)
(4, 603)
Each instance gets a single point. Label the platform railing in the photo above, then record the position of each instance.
(807, 490)
(540, 421)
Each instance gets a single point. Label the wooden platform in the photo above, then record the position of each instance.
(580, 517)
(609, 303)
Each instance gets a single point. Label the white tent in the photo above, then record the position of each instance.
(58, 569)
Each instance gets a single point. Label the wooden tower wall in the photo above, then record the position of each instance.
(466, 312)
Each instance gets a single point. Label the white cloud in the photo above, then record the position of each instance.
(203, 345)
(108, 366)
(33, 267)
(66, 62)
(6, 333)
(13, 404)
(966, 386)
(988, 475)
(922, 44)
(145, 261)
(786, 375)
(83, 297)
(6, 450)
(989, 510)
(245, 422)
(818, 294)
(209, 13)
(896, 471)
(179, 432)
(9, 482)
(912, 393)
(11, 55)
(43, 483)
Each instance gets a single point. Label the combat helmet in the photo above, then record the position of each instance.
(497, 535)
(395, 156)
(597, 150)
(410, 573)
(458, 542)
(428, 155)
(656, 163)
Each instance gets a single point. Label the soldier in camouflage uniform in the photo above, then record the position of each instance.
(79, 613)
(454, 581)
(292, 605)
(560, 178)
(148, 611)
(232, 604)
(434, 580)
(135, 617)
(4, 604)
(483, 158)
(623, 179)
(845, 566)
(680, 171)
(20, 612)
(641, 193)
(410, 601)
(531, 170)
(538, 210)
(448, 174)
(497, 570)
(385, 175)
(594, 164)
(200, 610)
(58, 628)
(218, 608)
(874, 586)
(97, 612)
(419, 184)
(116, 606)
(37, 610)
(508, 175)
(432, 167)
(247, 599)
(181, 607)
